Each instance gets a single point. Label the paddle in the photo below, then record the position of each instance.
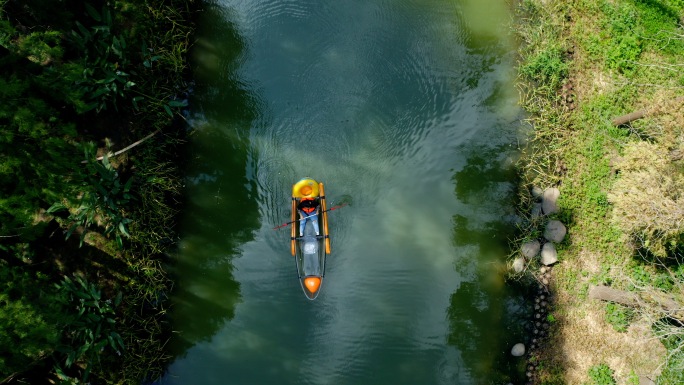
(324, 211)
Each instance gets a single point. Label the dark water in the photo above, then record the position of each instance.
(405, 109)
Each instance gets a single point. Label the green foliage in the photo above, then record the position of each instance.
(601, 375)
(30, 318)
(105, 197)
(546, 67)
(633, 378)
(622, 30)
(622, 191)
(660, 21)
(92, 328)
(35, 145)
(65, 68)
(619, 316)
(159, 186)
(63, 378)
(106, 75)
(544, 61)
(674, 340)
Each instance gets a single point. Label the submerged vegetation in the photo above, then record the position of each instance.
(583, 65)
(84, 229)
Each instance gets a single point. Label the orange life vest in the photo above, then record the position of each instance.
(308, 205)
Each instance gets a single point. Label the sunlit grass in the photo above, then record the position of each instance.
(620, 57)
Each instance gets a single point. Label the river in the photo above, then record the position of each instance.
(407, 111)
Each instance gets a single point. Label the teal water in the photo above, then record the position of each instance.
(405, 109)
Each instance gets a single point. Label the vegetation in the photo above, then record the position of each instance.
(601, 375)
(79, 80)
(583, 64)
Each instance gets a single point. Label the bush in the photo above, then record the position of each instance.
(29, 319)
(92, 328)
(601, 375)
(104, 198)
(619, 316)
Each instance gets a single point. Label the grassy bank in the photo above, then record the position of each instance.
(92, 94)
(583, 64)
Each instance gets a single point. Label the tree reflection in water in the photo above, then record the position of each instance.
(220, 212)
(478, 306)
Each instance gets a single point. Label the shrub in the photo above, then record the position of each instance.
(619, 316)
(601, 375)
(29, 319)
(547, 67)
(92, 328)
(104, 199)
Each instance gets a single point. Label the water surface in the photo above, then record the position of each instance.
(405, 109)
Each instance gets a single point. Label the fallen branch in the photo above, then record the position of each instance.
(609, 294)
(624, 119)
(126, 148)
(655, 300)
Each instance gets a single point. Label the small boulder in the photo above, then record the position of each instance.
(536, 210)
(549, 200)
(536, 192)
(530, 249)
(518, 350)
(519, 264)
(555, 231)
(549, 256)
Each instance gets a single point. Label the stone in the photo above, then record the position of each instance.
(555, 231)
(550, 200)
(519, 264)
(530, 249)
(518, 350)
(537, 192)
(536, 210)
(549, 256)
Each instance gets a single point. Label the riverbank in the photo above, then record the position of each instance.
(92, 95)
(584, 64)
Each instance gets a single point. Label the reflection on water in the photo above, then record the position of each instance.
(483, 311)
(220, 213)
(404, 108)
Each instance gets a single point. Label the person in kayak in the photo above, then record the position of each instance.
(308, 211)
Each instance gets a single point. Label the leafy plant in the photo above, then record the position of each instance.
(547, 67)
(633, 378)
(106, 76)
(601, 375)
(30, 315)
(92, 328)
(623, 29)
(619, 316)
(105, 198)
(36, 153)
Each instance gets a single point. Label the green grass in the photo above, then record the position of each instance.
(626, 57)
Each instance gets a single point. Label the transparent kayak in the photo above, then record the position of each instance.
(310, 241)
(310, 258)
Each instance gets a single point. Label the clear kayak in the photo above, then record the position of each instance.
(310, 239)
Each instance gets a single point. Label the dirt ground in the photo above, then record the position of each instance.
(583, 338)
